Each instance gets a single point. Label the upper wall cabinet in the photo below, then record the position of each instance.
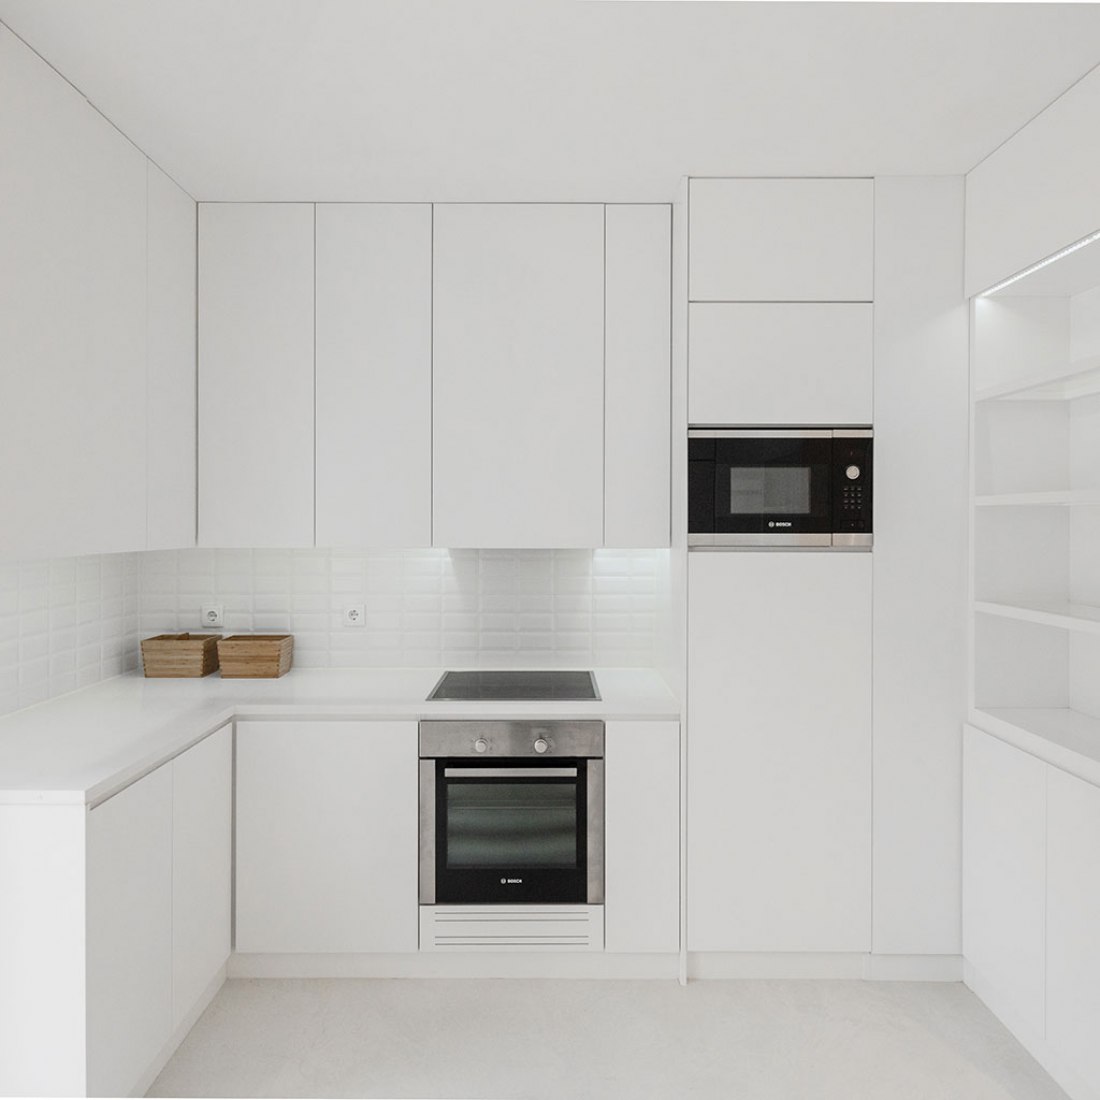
(637, 319)
(170, 365)
(72, 320)
(374, 374)
(518, 375)
(781, 240)
(256, 414)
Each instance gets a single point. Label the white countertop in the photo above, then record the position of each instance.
(86, 745)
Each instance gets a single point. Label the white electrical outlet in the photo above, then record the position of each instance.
(355, 614)
(212, 615)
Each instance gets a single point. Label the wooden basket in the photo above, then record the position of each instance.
(180, 654)
(258, 656)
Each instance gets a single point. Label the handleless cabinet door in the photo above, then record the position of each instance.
(374, 374)
(72, 320)
(781, 240)
(327, 837)
(256, 374)
(518, 375)
(1073, 916)
(202, 876)
(642, 837)
(638, 370)
(129, 933)
(779, 752)
(1004, 876)
(170, 365)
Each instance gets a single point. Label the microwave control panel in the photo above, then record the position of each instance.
(852, 485)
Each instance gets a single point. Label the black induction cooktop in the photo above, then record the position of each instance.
(516, 686)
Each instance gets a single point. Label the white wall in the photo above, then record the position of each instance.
(921, 440)
(533, 608)
(65, 624)
(1038, 192)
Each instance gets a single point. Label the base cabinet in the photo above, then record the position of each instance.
(327, 837)
(642, 837)
(779, 752)
(129, 933)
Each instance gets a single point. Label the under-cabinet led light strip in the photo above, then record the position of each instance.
(1042, 263)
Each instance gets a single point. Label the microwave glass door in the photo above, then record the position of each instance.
(773, 485)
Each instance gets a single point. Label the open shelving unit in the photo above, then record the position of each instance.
(1035, 516)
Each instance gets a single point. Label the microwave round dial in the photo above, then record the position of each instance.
(852, 473)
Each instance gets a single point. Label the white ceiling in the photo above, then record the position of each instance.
(553, 99)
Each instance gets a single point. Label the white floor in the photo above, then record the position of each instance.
(512, 1038)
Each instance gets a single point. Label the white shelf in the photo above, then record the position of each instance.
(1063, 382)
(1070, 616)
(1067, 738)
(1057, 497)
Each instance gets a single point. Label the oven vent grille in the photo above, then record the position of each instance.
(511, 928)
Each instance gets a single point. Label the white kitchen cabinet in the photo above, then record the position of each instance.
(780, 363)
(1004, 876)
(779, 752)
(642, 837)
(518, 380)
(202, 876)
(73, 315)
(256, 406)
(374, 374)
(129, 933)
(327, 837)
(781, 240)
(170, 365)
(1072, 918)
(637, 384)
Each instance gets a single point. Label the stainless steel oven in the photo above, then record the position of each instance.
(511, 813)
(780, 487)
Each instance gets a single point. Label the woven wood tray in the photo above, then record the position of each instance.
(180, 654)
(256, 656)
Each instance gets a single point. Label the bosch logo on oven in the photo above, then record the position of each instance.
(779, 523)
(510, 881)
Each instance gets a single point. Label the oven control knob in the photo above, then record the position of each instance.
(852, 473)
(542, 745)
(481, 745)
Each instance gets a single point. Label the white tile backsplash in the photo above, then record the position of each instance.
(71, 622)
(65, 624)
(550, 608)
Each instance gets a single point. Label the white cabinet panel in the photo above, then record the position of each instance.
(129, 937)
(780, 363)
(202, 841)
(642, 837)
(781, 240)
(1073, 917)
(518, 375)
(327, 841)
(72, 319)
(779, 744)
(638, 376)
(170, 365)
(256, 374)
(1004, 874)
(374, 374)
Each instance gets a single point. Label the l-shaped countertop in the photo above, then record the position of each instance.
(82, 747)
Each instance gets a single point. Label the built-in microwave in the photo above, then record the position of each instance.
(780, 487)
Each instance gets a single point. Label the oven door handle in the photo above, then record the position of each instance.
(510, 773)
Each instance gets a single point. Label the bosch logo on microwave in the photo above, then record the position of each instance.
(779, 523)
(510, 881)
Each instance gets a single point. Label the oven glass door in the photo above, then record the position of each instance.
(774, 486)
(511, 831)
